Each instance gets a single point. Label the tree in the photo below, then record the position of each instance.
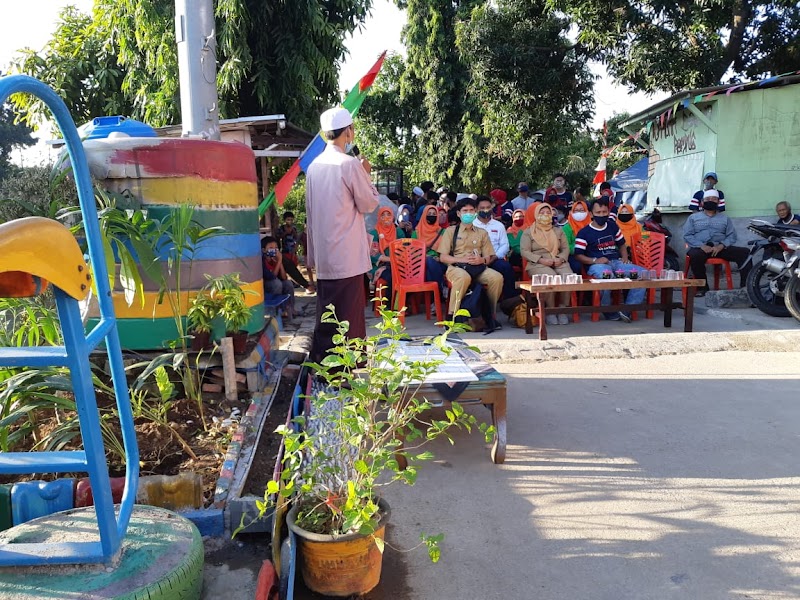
(671, 46)
(386, 124)
(79, 62)
(12, 135)
(272, 56)
(532, 84)
(450, 143)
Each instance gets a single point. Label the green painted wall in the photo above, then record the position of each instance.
(755, 151)
(758, 155)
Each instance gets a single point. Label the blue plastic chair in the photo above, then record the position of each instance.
(42, 249)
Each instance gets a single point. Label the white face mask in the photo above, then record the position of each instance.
(579, 216)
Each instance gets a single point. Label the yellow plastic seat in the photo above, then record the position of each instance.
(35, 250)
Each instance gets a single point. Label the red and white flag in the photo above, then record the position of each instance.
(600, 171)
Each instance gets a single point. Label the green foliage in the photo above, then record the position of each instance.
(337, 462)
(272, 56)
(450, 144)
(532, 84)
(672, 46)
(385, 126)
(227, 293)
(35, 192)
(12, 135)
(80, 64)
(29, 321)
(29, 396)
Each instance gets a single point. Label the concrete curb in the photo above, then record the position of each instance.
(638, 346)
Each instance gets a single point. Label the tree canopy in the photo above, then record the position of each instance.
(272, 56)
(12, 135)
(663, 45)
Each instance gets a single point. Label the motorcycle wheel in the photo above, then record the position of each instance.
(672, 262)
(792, 296)
(759, 289)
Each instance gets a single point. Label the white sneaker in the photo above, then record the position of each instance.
(563, 320)
(551, 320)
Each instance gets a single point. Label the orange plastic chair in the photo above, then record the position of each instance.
(573, 297)
(408, 276)
(649, 253)
(718, 264)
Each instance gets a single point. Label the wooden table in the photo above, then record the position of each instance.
(489, 390)
(666, 304)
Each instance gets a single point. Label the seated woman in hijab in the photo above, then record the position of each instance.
(514, 234)
(628, 225)
(384, 234)
(405, 225)
(545, 248)
(429, 231)
(579, 217)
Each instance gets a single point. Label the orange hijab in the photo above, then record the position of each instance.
(425, 231)
(386, 233)
(574, 223)
(514, 229)
(631, 229)
(543, 232)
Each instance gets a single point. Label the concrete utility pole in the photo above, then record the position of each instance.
(197, 67)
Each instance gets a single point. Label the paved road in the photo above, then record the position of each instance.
(625, 479)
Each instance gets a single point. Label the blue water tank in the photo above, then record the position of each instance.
(102, 127)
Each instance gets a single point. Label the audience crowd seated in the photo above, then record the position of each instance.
(486, 238)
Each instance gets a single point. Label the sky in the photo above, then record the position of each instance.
(31, 22)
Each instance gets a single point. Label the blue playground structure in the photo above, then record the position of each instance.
(33, 252)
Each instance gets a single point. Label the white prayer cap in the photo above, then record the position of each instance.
(418, 191)
(335, 118)
(711, 194)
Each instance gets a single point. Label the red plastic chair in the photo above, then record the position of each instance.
(408, 276)
(718, 264)
(649, 253)
(573, 297)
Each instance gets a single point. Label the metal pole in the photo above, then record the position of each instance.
(197, 67)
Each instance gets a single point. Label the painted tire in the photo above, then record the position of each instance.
(162, 559)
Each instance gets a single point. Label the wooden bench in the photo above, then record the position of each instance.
(489, 390)
(666, 304)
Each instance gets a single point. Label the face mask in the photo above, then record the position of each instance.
(271, 252)
(709, 205)
(348, 147)
(468, 218)
(484, 214)
(625, 218)
(544, 219)
(431, 219)
(579, 216)
(606, 193)
(404, 217)
(519, 222)
(707, 185)
(600, 220)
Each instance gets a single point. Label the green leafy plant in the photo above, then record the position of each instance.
(338, 458)
(227, 291)
(202, 311)
(29, 321)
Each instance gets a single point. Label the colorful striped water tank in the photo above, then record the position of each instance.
(219, 180)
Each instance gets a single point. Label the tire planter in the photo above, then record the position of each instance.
(343, 565)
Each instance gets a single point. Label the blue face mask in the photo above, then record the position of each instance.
(468, 218)
(271, 252)
(348, 147)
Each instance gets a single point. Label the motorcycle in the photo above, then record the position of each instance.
(767, 283)
(792, 292)
(653, 223)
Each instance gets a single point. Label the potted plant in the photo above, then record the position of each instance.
(363, 417)
(227, 291)
(202, 311)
